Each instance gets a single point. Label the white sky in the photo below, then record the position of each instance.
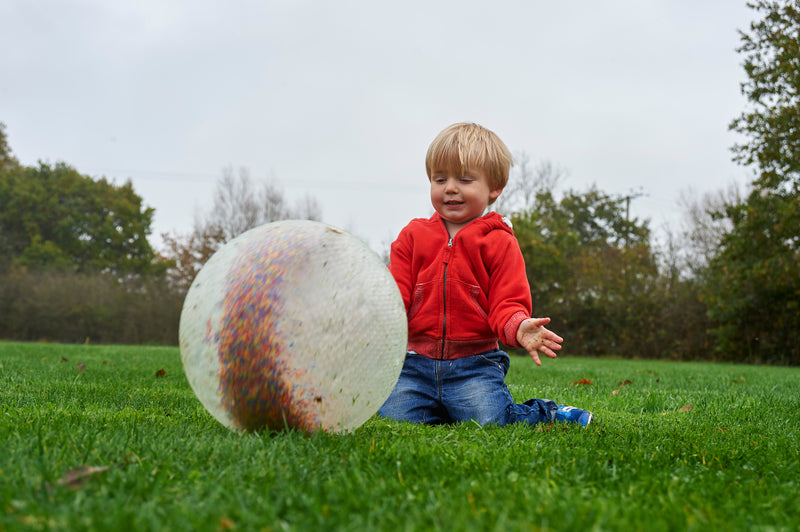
(340, 100)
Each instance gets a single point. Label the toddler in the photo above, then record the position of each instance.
(463, 282)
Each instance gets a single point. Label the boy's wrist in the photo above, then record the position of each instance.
(511, 328)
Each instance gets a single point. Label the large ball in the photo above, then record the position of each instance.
(294, 324)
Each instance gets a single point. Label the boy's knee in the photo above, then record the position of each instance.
(491, 416)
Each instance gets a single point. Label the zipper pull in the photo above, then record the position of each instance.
(448, 251)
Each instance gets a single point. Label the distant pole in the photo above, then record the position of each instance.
(631, 195)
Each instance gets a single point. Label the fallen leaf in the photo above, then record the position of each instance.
(685, 408)
(64, 359)
(161, 373)
(582, 381)
(226, 524)
(724, 428)
(81, 366)
(615, 392)
(624, 383)
(75, 478)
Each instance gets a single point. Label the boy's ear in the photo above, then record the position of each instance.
(494, 194)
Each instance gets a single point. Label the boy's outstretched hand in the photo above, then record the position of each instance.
(534, 338)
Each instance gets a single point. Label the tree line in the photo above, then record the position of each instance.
(76, 264)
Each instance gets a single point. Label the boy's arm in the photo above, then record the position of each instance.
(400, 266)
(511, 305)
(509, 292)
(534, 337)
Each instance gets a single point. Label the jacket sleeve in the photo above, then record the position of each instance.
(509, 291)
(400, 256)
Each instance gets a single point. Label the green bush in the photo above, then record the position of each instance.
(72, 307)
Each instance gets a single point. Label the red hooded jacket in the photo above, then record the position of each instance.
(464, 294)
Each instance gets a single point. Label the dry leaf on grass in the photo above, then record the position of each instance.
(621, 384)
(226, 524)
(75, 478)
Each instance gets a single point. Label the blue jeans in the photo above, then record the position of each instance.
(471, 388)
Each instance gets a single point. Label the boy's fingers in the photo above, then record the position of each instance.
(552, 345)
(550, 335)
(535, 357)
(548, 352)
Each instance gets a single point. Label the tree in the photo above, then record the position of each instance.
(7, 160)
(187, 253)
(772, 123)
(525, 182)
(592, 270)
(75, 263)
(54, 217)
(237, 207)
(702, 229)
(753, 283)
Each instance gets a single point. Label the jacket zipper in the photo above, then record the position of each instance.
(447, 254)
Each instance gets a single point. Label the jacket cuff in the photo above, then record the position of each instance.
(511, 327)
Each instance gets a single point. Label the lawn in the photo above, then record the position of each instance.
(112, 438)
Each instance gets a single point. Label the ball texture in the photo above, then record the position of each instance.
(293, 324)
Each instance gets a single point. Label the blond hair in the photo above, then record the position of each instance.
(465, 146)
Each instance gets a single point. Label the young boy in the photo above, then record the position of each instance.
(462, 278)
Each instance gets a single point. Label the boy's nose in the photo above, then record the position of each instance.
(451, 185)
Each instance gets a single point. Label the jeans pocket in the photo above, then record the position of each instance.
(495, 359)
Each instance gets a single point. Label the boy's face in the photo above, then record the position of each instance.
(460, 199)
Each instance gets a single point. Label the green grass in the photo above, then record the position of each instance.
(649, 463)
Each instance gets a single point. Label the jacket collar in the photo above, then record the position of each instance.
(479, 226)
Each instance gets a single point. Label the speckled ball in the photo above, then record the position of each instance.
(293, 324)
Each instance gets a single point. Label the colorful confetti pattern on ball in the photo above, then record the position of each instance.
(293, 325)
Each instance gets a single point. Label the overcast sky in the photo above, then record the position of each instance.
(340, 100)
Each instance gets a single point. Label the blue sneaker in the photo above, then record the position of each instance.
(570, 414)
